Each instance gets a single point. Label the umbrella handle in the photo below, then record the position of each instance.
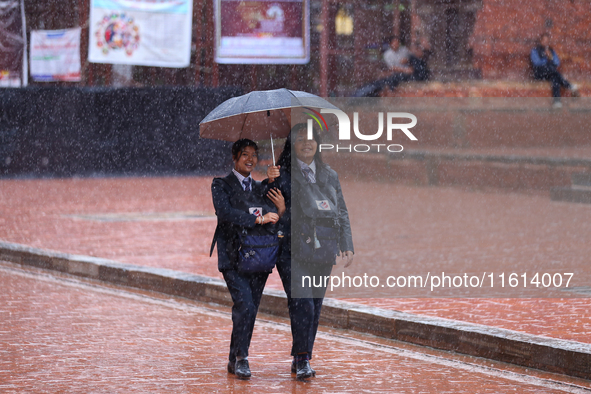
(272, 150)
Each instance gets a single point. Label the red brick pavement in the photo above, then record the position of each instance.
(64, 335)
(423, 226)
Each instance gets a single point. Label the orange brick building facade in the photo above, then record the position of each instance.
(506, 30)
(470, 39)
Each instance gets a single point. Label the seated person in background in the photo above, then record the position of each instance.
(545, 64)
(418, 60)
(395, 58)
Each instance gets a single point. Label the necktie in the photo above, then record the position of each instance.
(246, 183)
(309, 175)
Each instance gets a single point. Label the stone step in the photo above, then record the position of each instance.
(463, 168)
(571, 194)
(533, 351)
(581, 179)
(483, 88)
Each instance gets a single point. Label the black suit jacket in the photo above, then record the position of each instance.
(327, 178)
(230, 219)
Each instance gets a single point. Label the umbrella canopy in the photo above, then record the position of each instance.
(258, 115)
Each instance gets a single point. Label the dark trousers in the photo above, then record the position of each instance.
(299, 312)
(304, 312)
(373, 89)
(246, 291)
(550, 73)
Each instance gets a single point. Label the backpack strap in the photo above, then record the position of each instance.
(215, 239)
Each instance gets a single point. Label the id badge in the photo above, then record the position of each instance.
(256, 211)
(323, 205)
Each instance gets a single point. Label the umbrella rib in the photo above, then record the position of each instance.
(243, 106)
(247, 100)
(252, 112)
(249, 95)
(246, 117)
(243, 123)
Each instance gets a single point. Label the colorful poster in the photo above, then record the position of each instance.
(262, 31)
(13, 44)
(141, 32)
(55, 55)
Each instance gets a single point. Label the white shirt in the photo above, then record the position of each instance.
(312, 166)
(241, 178)
(394, 58)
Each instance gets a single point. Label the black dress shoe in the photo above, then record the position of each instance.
(242, 369)
(294, 369)
(232, 367)
(303, 369)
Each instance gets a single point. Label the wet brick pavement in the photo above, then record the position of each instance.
(168, 222)
(59, 334)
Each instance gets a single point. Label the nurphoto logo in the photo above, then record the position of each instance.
(345, 130)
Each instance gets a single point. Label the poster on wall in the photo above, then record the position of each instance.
(13, 44)
(141, 32)
(262, 31)
(55, 55)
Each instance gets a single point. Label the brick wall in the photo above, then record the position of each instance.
(506, 30)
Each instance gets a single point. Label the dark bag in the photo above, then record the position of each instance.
(257, 253)
(252, 249)
(318, 244)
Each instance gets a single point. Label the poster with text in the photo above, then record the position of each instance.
(55, 55)
(262, 32)
(13, 44)
(141, 32)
